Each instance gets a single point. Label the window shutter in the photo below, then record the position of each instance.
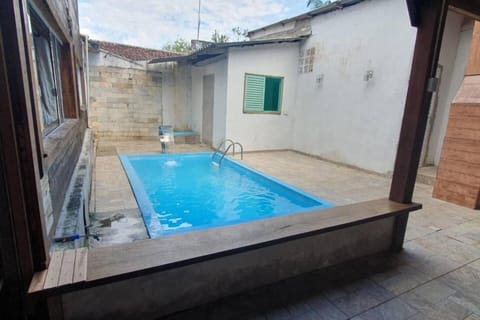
(254, 93)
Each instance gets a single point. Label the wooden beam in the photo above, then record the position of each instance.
(431, 17)
(473, 65)
(69, 84)
(14, 33)
(469, 8)
(17, 265)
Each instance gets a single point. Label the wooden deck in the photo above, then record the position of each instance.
(71, 269)
(66, 268)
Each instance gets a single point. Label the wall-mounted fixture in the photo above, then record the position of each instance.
(319, 79)
(368, 75)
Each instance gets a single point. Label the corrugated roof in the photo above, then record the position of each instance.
(131, 52)
(217, 49)
(334, 6)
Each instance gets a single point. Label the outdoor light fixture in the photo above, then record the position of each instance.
(368, 75)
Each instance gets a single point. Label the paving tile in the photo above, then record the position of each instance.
(278, 313)
(324, 309)
(394, 309)
(475, 264)
(468, 301)
(462, 278)
(432, 292)
(448, 310)
(443, 241)
(354, 303)
(449, 247)
(310, 315)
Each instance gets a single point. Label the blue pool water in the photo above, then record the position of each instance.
(184, 192)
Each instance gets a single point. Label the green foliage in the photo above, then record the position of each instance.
(219, 38)
(317, 3)
(179, 45)
(239, 34)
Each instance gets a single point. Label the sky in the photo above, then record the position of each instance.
(153, 23)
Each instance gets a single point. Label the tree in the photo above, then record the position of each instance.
(317, 3)
(219, 38)
(179, 45)
(239, 34)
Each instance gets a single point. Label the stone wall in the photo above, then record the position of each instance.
(125, 103)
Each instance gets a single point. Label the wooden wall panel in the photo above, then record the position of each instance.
(458, 176)
(473, 64)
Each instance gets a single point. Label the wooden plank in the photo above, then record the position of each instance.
(461, 133)
(472, 169)
(465, 122)
(473, 64)
(38, 281)
(470, 7)
(54, 269)
(457, 187)
(81, 260)
(461, 145)
(69, 84)
(460, 155)
(431, 22)
(68, 267)
(466, 109)
(458, 196)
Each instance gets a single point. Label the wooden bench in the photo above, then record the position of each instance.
(71, 270)
(66, 268)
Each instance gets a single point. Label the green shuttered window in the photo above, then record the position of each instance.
(263, 94)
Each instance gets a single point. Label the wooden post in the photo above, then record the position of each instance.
(430, 17)
(69, 83)
(14, 31)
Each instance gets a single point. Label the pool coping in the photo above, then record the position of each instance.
(147, 210)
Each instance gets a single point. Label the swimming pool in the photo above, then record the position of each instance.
(179, 193)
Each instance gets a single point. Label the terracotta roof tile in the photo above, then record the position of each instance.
(131, 52)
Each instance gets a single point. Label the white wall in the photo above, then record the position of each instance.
(265, 32)
(219, 69)
(347, 119)
(454, 55)
(176, 94)
(262, 131)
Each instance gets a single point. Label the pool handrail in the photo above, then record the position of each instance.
(226, 149)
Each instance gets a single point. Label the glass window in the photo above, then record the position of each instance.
(47, 53)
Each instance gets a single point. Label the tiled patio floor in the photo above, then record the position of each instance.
(436, 276)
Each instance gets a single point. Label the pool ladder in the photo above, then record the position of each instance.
(223, 144)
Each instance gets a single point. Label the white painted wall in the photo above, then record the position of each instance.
(454, 55)
(219, 69)
(261, 131)
(347, 119)
(265, 32)
(176, 94)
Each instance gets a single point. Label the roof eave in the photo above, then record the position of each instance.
(221, 48)
(334, 6)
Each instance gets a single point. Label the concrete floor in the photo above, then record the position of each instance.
(436, 276)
